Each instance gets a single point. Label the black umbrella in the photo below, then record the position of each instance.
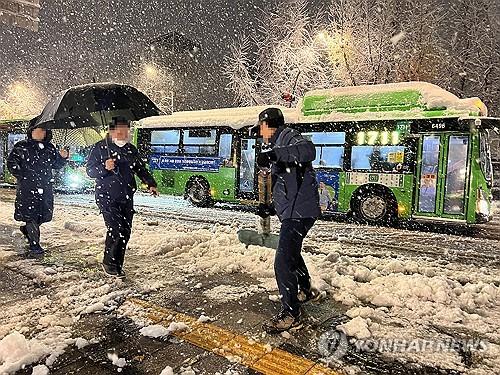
(94, 104)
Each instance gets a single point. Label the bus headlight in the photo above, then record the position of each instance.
(482, 204)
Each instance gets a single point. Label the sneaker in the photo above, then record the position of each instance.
(283, 321)
(121, 274)
(311, 295)
(112, 271)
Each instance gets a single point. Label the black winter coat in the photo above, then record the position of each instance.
(118, 185)
(31, 162)
(295, 188)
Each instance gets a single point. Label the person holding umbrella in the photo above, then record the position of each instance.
(295, 199)
(31, 161)
(113, 163)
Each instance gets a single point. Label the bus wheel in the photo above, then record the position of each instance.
(375, 207)
(198, 192)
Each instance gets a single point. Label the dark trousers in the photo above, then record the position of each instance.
(289, 266)
(118, 219)
(31, 231)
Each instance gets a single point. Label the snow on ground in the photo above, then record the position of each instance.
(159, 331)
(385, 297)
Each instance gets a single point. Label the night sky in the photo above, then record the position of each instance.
(79, 40)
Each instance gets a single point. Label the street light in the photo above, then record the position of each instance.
(21, 99)
(172, 43)
(151, 71)
(152, 81)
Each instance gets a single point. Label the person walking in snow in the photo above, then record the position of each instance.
(31, 162)
(113, 163)
(295, 199)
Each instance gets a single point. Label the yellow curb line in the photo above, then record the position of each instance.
(233, 346)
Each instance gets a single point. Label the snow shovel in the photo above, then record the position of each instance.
(262, 237)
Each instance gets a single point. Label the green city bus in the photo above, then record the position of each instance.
(11, 132)
(71, 178)
(383, 152)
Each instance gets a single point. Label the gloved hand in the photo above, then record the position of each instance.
(265, 157)
(265, 210)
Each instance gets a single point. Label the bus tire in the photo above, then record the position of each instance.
(374, 205)
(198, 192)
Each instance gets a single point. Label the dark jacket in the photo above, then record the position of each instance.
(295, 188)
(118, 185)
(31, 162)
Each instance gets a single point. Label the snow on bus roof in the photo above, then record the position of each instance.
(367, 102)
(393, 101)
(235, 118)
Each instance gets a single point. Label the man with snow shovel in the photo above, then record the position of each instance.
(295, 199)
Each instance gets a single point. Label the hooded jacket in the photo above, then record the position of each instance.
(32, 162)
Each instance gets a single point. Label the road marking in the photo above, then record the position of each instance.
(233, 346)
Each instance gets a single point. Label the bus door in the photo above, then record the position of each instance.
(247, 170)
(443, 172)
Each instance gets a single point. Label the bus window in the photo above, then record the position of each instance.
(165, 141)
(377, 158)
(225, 146)
(329, 157)
(429, 173)
(326, 138)
(329, 148)
(456, 174)
(200, 141)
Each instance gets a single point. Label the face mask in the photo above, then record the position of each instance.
(119, 143)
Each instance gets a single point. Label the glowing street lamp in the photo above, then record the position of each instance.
(150, 71)
(21, 99)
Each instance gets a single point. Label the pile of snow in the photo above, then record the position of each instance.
(117, 361)
(204, 319)
(40, 370)
(167, 371)
(159, 331)
(81, 343)
(16, 352)
(385, 297)
(356, 327)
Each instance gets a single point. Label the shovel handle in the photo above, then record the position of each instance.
(265, 182)
(265, 197)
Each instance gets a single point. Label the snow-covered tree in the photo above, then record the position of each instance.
(474, 47)
(381, 41)
(157, 83)
(283, 56)
(352, 42)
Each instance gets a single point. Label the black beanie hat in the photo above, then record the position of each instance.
(273, 117)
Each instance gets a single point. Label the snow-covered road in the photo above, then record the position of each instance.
(385, 283)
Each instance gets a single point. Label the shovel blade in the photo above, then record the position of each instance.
(252, 237)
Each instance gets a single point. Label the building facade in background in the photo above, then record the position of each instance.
(20, 13)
